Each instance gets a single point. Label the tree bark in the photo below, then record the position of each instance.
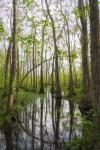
(41, 78)
(85, 104)
(34, 86)
(7, 61)
(58, 88)
(13, 65)
(95, 67)
(71, 83)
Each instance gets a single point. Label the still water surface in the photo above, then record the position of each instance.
(42, 125)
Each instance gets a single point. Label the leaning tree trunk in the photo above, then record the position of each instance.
(58, 88)
(13, 65)
(95, 67)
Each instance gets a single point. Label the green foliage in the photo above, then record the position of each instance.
(74, 54)
(21, 100)
(76, 98)
(45, 21)
(75, 144)
(26, 39)
(83, 12)
(4, 117)
(28, 97)
(28, 2)
(1, 29)
(1, 26)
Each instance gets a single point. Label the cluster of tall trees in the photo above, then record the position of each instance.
(53, 43)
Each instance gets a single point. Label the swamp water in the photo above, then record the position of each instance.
(43, 124)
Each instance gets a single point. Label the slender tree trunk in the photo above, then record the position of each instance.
(41, 78)
(75, 74)
(52, 78)
(7, 61)
(17, 69)
(58, 88)
(34, 86)
(27, 63)
(71, 83)
(46, 65)
(13, 65)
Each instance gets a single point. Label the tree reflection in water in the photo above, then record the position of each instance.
(41, 125)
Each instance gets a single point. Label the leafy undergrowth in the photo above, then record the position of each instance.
(75, 144)
(76, 97)
(25, 98)
(20, 101)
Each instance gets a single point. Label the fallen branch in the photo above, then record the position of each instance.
(19, 85)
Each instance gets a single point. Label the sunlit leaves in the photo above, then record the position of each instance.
(82, 12)
(1, 29)
(74, 54)
(2, 58)
(28, 2)
(44, 21)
